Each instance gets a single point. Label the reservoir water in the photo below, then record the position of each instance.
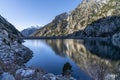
(90, 59)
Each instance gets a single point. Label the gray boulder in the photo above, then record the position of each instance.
(7, 76)
(116, 39)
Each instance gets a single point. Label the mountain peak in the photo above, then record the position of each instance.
(61, 17)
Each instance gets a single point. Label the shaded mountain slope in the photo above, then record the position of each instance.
(11, 48)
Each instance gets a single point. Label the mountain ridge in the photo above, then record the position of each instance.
(88, 12)
(57, 25)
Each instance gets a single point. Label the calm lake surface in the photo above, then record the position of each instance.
(90, 59)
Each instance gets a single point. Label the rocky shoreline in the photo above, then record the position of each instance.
(24, 73)
(12, 59)
(13, 55)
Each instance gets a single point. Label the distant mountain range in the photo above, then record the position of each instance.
(92, 18)
(30, 30)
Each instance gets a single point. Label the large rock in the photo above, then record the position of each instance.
(7, 76)
(27, 73)
(116, 39)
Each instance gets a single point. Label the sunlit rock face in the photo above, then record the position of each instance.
(91, 18)
(90, 11)
(82, 15)
(95, 18)
(99, 59)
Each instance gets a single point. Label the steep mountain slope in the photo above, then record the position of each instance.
(103, 21)
(10, 44)
(12, 52)
(55, 28)
(7, 27)
(29, 31)
(88, 16)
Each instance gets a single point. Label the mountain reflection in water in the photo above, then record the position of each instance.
(99, 59)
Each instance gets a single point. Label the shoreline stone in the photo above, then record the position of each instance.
(116, 39)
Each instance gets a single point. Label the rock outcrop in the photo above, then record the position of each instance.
(32, 74)
(116, 39)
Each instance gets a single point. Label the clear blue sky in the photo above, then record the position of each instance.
(26, 13)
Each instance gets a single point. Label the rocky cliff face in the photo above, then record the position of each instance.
(55, 28)
(103, 21)
(91, 18)
(95, 18)
(81, 16)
